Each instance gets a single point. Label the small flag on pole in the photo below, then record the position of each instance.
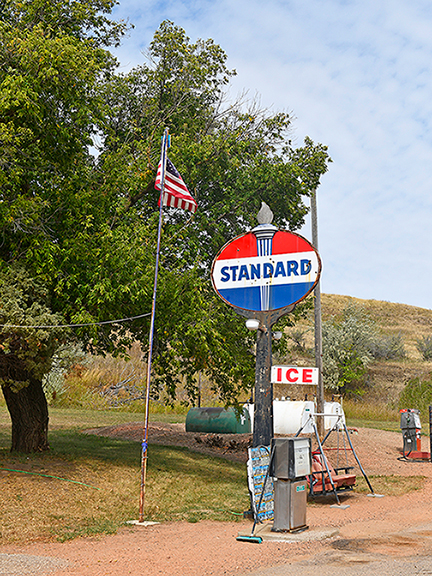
(175, 193)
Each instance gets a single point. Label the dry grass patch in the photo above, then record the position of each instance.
(37, 507)
(371, 415)
(88, 485)
(391, 485)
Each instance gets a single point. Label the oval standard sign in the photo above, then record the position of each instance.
(266, 273)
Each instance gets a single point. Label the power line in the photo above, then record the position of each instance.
(76, 325)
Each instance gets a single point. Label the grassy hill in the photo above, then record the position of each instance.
(386, 379)
(99, 383)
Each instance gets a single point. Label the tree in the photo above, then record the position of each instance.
(52, 58)
(351, 344)
(235, 156)
(26, 355)
(347, 348)
(83, 228)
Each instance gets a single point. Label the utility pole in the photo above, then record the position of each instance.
(318, 325)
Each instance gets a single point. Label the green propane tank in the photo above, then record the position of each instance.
(218, 420)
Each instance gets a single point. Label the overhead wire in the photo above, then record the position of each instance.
(37, 326)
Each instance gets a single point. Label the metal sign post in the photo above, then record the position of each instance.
(263, 274)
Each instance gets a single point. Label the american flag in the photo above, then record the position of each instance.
(175, 193)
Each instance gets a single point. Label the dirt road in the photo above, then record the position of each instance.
(387, 535)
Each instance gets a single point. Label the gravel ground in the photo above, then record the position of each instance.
(372, 534)
(20, 564)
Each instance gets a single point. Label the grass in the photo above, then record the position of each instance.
(371, 415)
(390, 485)
(88, 485)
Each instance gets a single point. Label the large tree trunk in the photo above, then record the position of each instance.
(28, 409)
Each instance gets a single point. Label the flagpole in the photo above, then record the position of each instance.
(144, 443)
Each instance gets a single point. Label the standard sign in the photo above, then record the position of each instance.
(248, 274)
(294, 375)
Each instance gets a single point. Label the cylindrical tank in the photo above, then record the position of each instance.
(218, 421)
(290, 415)
(331, 408)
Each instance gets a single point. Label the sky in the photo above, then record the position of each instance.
(357, 77)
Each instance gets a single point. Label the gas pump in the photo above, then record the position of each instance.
(290, 466)
(411, 431)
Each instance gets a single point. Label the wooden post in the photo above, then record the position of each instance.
(263, 407)
(318, 325)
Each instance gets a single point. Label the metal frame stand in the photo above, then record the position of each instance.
(321, 449)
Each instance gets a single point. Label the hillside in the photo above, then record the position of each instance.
(386, 378)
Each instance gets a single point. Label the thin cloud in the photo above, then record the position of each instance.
(357, 76)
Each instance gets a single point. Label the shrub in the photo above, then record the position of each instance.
(388, 348)
(53, 383)
(350, 345)
(417, 394)
(424, 346)
(297, 335)
(346, 348)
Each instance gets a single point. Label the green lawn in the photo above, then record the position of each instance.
(89, 484)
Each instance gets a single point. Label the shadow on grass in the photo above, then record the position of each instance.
(73, 446)
(170, 459)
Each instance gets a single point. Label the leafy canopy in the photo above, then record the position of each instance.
(84, 227)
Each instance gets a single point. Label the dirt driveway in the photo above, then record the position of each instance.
(373, 532)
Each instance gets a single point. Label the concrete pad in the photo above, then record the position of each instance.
(144, 524)
(308, 535)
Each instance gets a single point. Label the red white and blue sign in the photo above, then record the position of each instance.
(256, 274)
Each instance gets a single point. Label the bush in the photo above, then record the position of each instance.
(417, 394)
(350, 345)
(297, 335)
(346, 348)
(424, 346)
(54, 382)
(388, 348)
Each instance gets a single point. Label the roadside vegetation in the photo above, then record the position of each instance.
(88, 485)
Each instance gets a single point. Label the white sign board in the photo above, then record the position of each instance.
(294, 375)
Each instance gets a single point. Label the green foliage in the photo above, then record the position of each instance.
(388, 347)
(232, 155)
(83, 20)
(25, 352)
(346, 348)
(200, 334)
(349, 347)
(85, 227)
(417, 393)
(424, 346)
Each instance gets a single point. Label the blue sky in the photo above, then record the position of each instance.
(357, 77)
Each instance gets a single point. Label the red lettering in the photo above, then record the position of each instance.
(289, 372)
(279, 375)
(307, 376)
